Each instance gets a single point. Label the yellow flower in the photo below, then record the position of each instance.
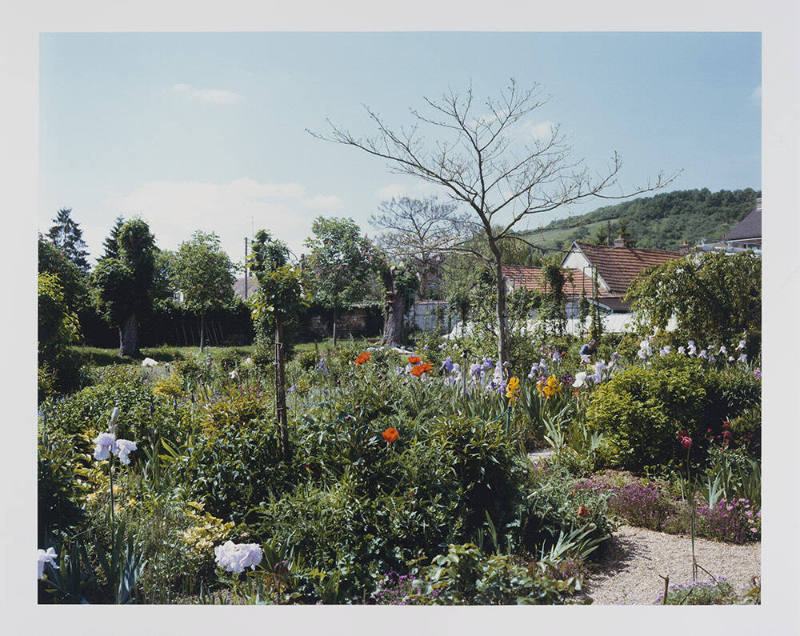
(512, 390)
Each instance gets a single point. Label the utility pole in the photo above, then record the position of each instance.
(245, 268)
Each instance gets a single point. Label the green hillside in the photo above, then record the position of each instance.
(663, 221)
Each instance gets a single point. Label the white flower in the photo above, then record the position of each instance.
(742, 344)
(233, 557)
(104, 445)
(681, 350)
(248, 362)
(233, 375)
(692, 348)
(667, 349)
(599, 367)
(580, 379)
(46, 557)
(703, 354)
(586, 358)
(742, 357)
(149, 362)
(722, 350)
(123, 448)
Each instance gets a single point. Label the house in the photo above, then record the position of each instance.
(616, 267)
(239, 287)
(745, 236)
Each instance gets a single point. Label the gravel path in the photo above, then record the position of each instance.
(629, 574)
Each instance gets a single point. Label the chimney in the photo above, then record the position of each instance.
(619, 242)
(683, 249)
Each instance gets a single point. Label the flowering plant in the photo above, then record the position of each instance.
(390, 435)
(362, 358)
(236, 557)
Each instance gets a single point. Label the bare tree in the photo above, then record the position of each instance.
(493, 163)
(418, 232)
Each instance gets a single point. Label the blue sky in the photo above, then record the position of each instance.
(208, 131)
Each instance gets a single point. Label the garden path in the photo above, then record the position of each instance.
(629, 573)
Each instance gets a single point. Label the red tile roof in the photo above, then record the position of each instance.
(532, 278)
(619, 266)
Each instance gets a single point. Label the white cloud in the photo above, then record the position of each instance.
(756, 94)
(175, 209)
(211, 95)
(539, 131)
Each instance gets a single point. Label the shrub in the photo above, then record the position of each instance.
(641, 408)
(234, 461)
(465, 576)
(715, 592)
(639, 504)
(732, 520)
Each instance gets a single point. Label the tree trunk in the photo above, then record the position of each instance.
(280, 391)
(502, 327)
(394, 325)
(129, 337)
(334, 326)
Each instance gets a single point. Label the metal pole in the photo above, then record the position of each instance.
(245, 268)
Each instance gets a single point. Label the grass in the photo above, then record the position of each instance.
(98, 357)
(95, 356)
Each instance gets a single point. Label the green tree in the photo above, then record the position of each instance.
(276, 305)
(68, 237)
(110, 246)
(715, 297)
(72, 280)
(204, 273)
(122, 286)
(341, 262)
(478, 158)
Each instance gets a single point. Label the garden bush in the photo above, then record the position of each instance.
(640, 409)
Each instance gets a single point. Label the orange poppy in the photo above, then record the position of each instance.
(583, 511)
(362, 358)
(418, 370)
(390, 434)
(414, 359)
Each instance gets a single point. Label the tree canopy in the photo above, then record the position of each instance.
(715, 297)
(68, 237)
(204, 273)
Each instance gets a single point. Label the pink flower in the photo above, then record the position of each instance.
(686, 442)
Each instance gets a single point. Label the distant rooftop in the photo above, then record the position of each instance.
(748, 228)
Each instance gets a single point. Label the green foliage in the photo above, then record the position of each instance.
(712, 592)
(53, 261)
(715, 294)
(68, 237)
(641, 409)
(233, 460)
(203, 272)
(662, 221)
(122, 286)
(341, 261)
(57, 329)
(465, 576)
(61, 468)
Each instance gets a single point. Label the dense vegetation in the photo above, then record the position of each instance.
(663, 221)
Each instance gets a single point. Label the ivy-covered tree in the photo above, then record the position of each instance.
(68, 237)
(205, 275)
(341, 262)
(276, 305)
(715, 298)
(400, 282)
(57, 329)
(122, 286)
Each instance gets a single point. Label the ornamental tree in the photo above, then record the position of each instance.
(275, 305)
(341, 261)
(204, 273)
(486, 159)
(121, 286)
